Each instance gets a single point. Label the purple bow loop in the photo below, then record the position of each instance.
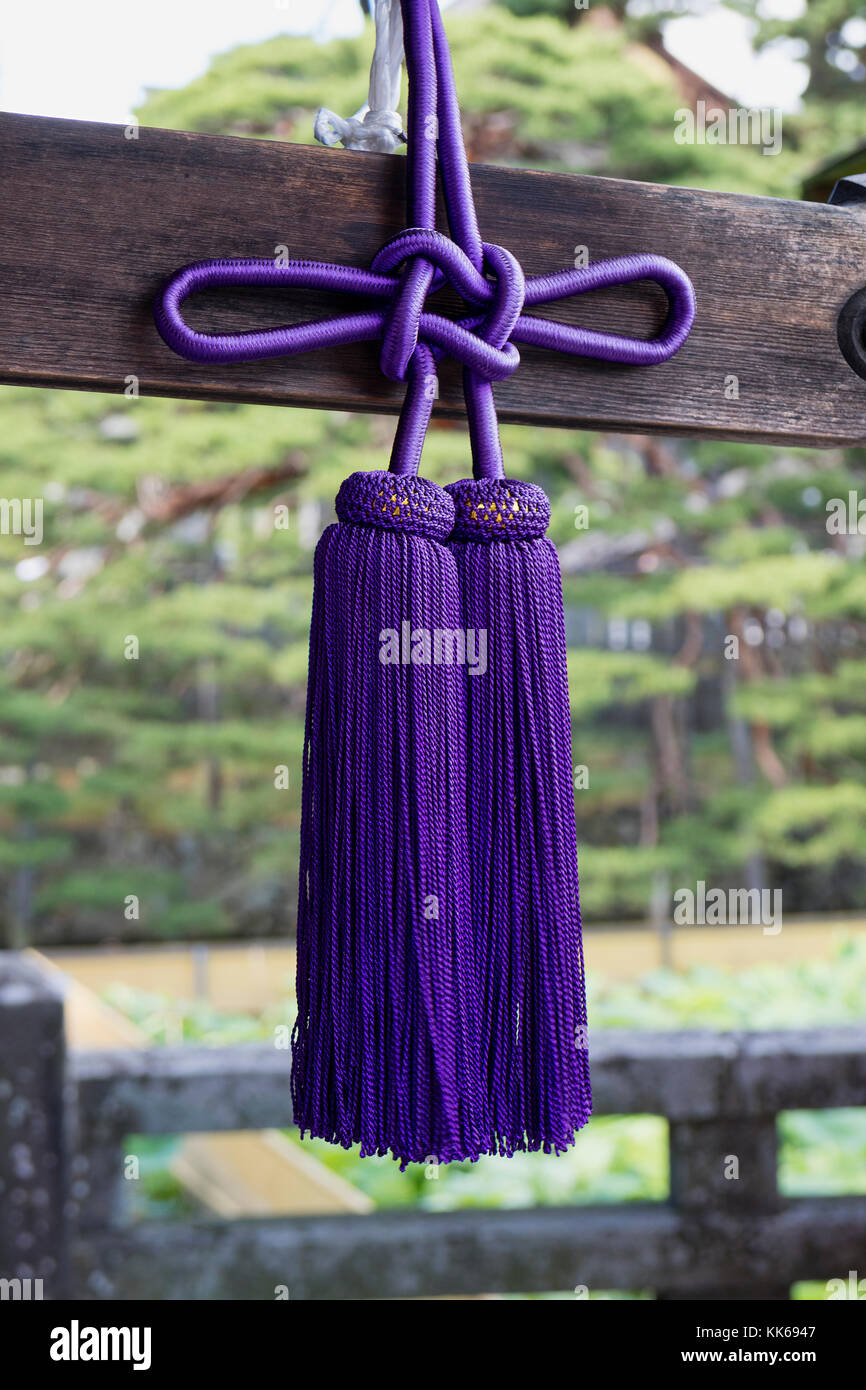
(484, 343)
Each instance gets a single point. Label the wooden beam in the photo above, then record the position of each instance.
(93, 222)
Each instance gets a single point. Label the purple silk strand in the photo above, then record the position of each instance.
(477, 389)
(521, 819)
(403, 321)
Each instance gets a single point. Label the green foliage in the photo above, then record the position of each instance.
(824, 1152)
(616, 881)
(156, 768)
(599, 679)
(160, 773)
(167, 1020)
(157, 1193)
(813, 825)
(831, 37)
(808, 994)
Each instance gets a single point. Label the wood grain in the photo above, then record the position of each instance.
(92, 222)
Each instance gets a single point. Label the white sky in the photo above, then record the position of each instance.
(91, 59)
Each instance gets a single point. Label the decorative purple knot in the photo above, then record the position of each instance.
(479, 342)
(390, 502)
(417, 263)
(498, 509)
(482, 342)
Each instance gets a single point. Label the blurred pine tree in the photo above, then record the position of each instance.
(153, 647)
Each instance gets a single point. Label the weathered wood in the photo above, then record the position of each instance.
(32, 1133)
(411, 1254)
(685, 1076)
(92, 223)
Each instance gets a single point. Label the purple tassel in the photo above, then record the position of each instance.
(441, 1009)
(386, 1043)
(523, 856)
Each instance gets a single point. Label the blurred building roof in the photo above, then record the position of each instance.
(651, 52)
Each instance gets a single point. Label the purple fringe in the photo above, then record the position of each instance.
(524, 886)
(386, 1043)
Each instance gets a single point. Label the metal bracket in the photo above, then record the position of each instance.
(851, 324)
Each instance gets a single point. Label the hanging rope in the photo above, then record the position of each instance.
(377, 125)
(416, 263)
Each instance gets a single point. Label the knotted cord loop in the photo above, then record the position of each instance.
(502, 298)
(417, 263)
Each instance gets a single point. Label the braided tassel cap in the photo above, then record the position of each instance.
(523, 857)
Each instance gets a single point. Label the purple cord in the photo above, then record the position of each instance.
(418, 262)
